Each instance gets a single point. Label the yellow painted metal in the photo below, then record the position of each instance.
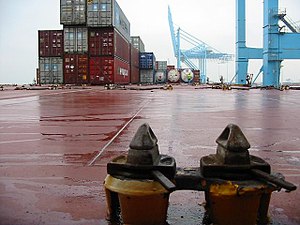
(235, 203)
(141, 202)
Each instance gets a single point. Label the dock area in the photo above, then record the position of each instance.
(55, 144)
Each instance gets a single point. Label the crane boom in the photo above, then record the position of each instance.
(199, 50)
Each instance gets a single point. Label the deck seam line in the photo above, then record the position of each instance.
(117, 134)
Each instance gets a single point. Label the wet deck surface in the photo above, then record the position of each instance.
(54, 146)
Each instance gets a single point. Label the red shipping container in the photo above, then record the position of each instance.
(51, 43)
(108, 70)
(76, 69)
(134, 56)
(170, 67)
(108, 42)
(134, 75)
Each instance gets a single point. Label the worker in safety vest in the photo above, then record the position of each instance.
(189, 77)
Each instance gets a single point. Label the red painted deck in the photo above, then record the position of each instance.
(54, 146)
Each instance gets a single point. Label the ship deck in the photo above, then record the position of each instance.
(55, 144)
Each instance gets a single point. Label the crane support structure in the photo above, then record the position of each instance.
(198, 50)
(277, 45)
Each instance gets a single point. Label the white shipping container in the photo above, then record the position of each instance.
(51, 70)
(161, 65)
(146, 76)
(137, 43)
(107, 13)
(73, 12)
(75, 39)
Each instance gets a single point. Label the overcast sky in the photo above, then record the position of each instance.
(212, 21)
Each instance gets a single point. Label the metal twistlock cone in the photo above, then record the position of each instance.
(143, 160)
(232, 159)
(143, 147)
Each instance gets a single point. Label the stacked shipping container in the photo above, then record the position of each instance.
(137, 46)
(76, 40)
(134, 65)
(147, 66)
(95, 47)
(108, 70)
(108, 42)
(76, 55)
(76, 69)
(137, 43)
(107, 13)
(109, 56)
(51, 70)
(73, 12)
(109, 46)
(51, 44)
(76, 62)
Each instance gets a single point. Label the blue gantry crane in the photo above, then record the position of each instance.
(278, 45)
(198, 50)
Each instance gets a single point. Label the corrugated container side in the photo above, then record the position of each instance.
(108, 42)
(76, 69)
(134, 65)
(137, 43)
(121, 22)
(108, 70)
(75, 39)
(161, 65)
(134, 57)
(134, 75)
(146, 76)
(51, 70)
(147, 60)
(73, 12)
(51, 43)
(160, 76)
(107, 13)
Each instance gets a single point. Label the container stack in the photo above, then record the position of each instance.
(95, 47)
(51, 44)
(160, 72)
(134, 65)
(136, 47)
(109, 43)
(109, 56)
(75, 58)
(147, 67)
(92, 48)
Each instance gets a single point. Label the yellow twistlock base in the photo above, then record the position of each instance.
(142, 202)
(236, 203)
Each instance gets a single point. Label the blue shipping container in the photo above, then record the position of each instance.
(147, 60)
